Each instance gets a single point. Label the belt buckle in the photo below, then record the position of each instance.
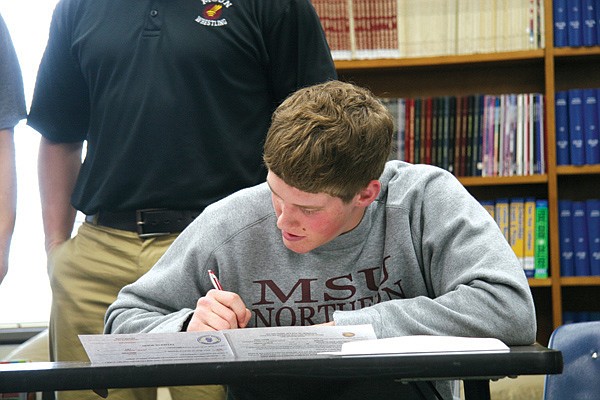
(139, 222)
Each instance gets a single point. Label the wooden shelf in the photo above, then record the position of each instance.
(503, 180)
(538, 71)
(580, 281)
(578, 169)
(575, 52)
(545, 282)
(506, 57)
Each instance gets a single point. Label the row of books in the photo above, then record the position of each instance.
(371, 29)
(577, 131)
(472, 135)
(579, 233)
(576, 23)
(524, 224)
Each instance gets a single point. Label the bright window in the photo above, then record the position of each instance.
(25, 293)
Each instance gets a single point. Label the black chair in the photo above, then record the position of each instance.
(580, 347)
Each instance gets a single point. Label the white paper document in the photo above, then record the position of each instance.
(422, 344)
(235, 344)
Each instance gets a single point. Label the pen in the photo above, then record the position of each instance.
(214, 280)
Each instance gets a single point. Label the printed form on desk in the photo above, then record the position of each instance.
(421, 344)
(235, 344)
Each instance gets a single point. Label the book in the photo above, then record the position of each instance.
(593, 225)
(487, 143)
(576, 148)
(435, 136)
(516, 206)
(529, 235)
(510, 135)
(519, 156)
(427, 130)
(451, 132)
(498, 128)
(580, 239)
(418, 134)
(565, 233)
(335, 20)
(530, 153)
(541, 239)
(502, 217)
(589, 34)
(559, 8)
(469, 133)
(562, 128)
(490, 207)
(590, 126)
(422, 344)
(574, 38)
(539, 134)
(477, 165)
(409, 144)
(445, 133)
(598, 23)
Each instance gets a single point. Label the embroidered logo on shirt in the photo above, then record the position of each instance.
(212, 14)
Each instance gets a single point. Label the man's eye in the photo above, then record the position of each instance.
(308, 211)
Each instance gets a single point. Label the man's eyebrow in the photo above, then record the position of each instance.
(271, 189)
(297, 205)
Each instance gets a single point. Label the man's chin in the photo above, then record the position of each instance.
(297, 247)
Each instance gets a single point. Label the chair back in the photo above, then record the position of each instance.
(580, 346)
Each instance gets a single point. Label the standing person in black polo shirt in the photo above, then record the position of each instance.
(173, 99)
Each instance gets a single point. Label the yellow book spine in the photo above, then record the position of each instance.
(529, 236)
(502, 217)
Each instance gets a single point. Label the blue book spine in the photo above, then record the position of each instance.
(562, 128)
(577, 149)
(565, 233)
(598, 22)
(580, 239)
(560, 23)
(590, 126)
(588, 27)
(574, 23)
(593, 225)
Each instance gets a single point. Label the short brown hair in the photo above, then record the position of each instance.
(331, 138)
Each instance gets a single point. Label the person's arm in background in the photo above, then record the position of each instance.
(58, 168)
(12, 110)
(8, 196)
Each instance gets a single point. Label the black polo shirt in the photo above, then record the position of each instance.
(174, 97)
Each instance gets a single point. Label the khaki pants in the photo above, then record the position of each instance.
(86, 274)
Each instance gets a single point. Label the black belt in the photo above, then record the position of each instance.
(147, 223)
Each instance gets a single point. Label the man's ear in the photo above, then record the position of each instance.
(368, 195)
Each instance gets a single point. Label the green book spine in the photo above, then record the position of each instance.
(541, 239)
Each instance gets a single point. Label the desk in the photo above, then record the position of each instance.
(475, 369)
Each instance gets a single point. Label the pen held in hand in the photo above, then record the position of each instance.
(214, 280)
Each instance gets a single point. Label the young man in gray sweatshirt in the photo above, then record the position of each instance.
(337, 236)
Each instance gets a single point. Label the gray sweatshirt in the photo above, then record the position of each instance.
(425, 259)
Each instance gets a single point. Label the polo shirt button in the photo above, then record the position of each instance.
(153, 13)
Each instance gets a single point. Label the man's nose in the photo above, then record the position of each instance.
(285, 220)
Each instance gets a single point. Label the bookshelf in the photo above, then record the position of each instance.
(544, 70)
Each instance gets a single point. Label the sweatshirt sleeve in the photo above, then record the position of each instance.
(475, 283)
(163, 299)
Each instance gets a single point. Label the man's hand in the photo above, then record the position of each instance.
(219, 310)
